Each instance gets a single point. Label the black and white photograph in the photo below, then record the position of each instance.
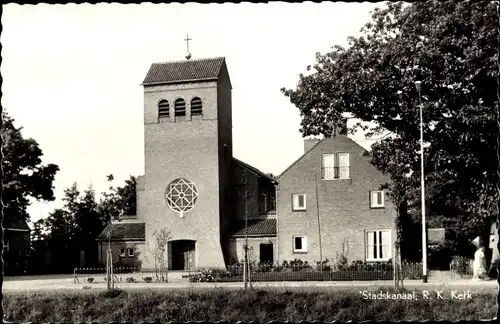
(250, 162)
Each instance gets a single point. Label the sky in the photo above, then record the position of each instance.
(72, 74)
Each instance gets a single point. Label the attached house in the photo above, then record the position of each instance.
(330, 202)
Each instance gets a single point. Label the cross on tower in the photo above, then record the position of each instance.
(188, 55)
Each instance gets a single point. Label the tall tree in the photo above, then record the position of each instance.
(25, 176)
(68, 231)
(451, 48)
(119, 201)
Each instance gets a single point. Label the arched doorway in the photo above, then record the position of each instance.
(182, 255)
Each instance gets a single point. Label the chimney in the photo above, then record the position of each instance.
(340, 129)
(309, 143)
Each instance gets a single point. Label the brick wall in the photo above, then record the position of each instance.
(344, 210)
(140, 196)
(132, 261)
(236, 246)
(238, 178)
(189, 149)
(225, 153)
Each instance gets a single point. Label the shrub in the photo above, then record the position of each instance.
(264, 267)
(341, 258)
(359, 265)
(148, 279)
(324, 265)
(236, 269)
(130, 279)
(411, 271)
(440, 256)
(114, 293)
(461, 265)
(298, 265)
(90, 280)
(210, 275)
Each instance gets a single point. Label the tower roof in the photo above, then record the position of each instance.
(184, 71)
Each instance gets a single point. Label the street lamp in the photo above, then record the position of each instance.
(418, 84)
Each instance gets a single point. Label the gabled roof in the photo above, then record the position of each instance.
(124, 231)
(313, 147)
(184, 71)
(18, 225)
(254, 170)
(256, 227)
(300, 158)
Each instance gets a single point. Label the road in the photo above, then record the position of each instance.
(28, 284)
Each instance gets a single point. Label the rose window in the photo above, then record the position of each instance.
(181, 195)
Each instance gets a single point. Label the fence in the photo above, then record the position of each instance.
(288, 271)
(461, 268)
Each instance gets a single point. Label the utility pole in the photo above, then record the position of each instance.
(109, 260)
(319, 224)
(245, 264)
(418, 84)
(244, 195)
(248, 280)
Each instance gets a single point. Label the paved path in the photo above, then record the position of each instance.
(68, 284)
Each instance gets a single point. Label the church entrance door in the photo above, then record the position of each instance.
(183, 255)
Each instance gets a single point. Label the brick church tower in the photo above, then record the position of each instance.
(188, 154)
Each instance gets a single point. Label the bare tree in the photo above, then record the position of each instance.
(161, 238)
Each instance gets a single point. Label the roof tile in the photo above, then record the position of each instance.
(123, 231)
(190, 70)
(258, 227)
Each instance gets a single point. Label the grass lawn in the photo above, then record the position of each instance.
(219, 304)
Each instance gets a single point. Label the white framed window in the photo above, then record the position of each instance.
(299, 244)
(122, 252)
(378, 245)
(299, 201)
(328, 166)
(335, 166)
(343, 165)
(377, 199)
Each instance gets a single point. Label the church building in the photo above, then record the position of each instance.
(195, 189)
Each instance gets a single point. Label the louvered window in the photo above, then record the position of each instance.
(180, 107)
(163, 109)
(196, 107)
